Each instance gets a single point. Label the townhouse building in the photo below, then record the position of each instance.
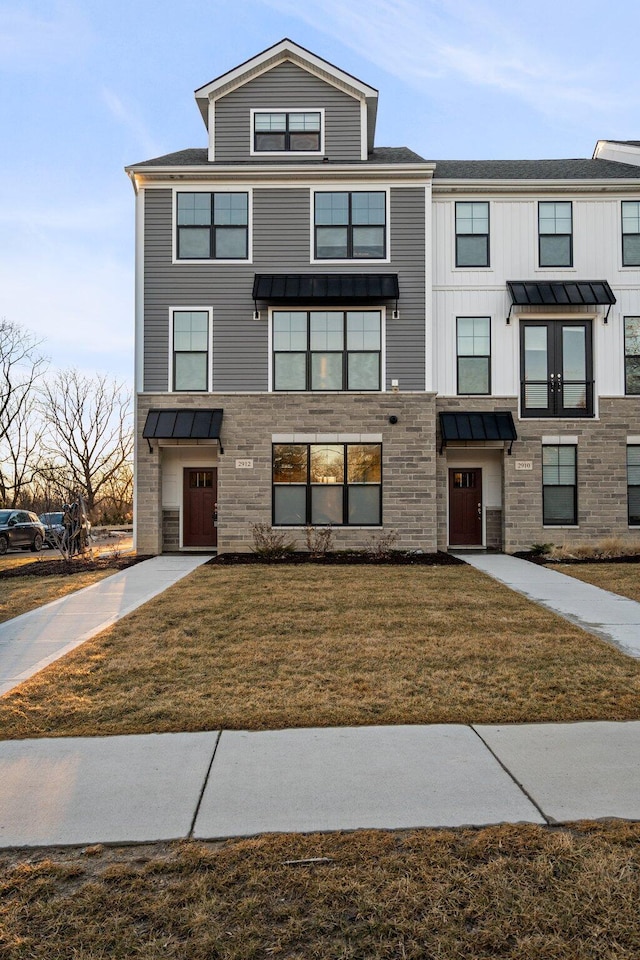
(331, 332)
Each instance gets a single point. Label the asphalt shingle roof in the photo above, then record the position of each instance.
(198, 156)
(534, 170)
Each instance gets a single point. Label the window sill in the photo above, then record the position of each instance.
(190, 263)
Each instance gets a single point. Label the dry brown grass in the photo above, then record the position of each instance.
(622, 578)
(21, 594)
(603, 549)
(517, 892)
(264, 647)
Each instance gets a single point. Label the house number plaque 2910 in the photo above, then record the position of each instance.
(524, 464)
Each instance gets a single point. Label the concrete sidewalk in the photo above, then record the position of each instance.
(34, 640)
(609, 616)
(238, 783)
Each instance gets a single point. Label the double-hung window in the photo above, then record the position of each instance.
(473, 342)
(190, 349)
(350, 225)
(632, 355)
(555, 234)
(559, 486)
(327, 349)
(287, 131)
(557, 368)
(212, 226)
(631, 233)
(327, 483)
(633, 484)
(472, 234)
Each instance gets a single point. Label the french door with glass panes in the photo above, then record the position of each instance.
(556, 368)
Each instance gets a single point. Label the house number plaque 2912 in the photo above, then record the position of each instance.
(244, 464)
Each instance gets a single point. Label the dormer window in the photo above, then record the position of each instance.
(287, 131)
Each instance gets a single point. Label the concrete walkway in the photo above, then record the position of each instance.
(610, 617)
(238, 783)
(33, 641)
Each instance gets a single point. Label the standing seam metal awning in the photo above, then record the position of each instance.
(183, 424)
(325, 287)
(478, 427)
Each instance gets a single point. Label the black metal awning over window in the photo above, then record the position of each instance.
(477, 427)
(325, 287)
(184, 424)
(560, 293)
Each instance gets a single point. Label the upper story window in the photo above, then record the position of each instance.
(472, 234)
(555, 234)
(190, 349)
(287, 131)
(473, 347)
(631, 233)
(212, 226)
(557, 368)
(350, 226)
(632, 355)
(326, 350)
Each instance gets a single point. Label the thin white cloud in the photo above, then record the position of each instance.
(420, 41)
(127, 116)
(30, 40)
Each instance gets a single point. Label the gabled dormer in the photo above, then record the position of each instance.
(622, 151)
(288, 105)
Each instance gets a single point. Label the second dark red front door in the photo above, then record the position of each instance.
(465, 508)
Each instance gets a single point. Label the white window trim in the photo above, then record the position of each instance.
(191, 309)
(349, 188)
(286, 153)
(317, 308)
(209, 188)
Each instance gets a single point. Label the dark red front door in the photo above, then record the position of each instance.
(200, 496)
(465, 508)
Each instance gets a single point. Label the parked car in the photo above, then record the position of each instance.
(55, 529)
(20, 529)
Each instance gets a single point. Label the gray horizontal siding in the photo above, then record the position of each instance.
(286, 85)
(281, 243)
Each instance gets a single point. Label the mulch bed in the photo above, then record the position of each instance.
(569, 561)
(393, 558)
(60, 567)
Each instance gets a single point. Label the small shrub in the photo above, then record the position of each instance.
(541, 549)
(381, 545)
(270, 543)
(319, 540)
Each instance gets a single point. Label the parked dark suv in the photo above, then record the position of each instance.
(20, 529)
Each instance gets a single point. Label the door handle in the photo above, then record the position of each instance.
(479, 509)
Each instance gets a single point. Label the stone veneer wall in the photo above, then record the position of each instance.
(250, 421)
(170, 530)
(494, 529)
(601, 474)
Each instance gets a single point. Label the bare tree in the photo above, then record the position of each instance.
(21, 366)
(89, 432)
(20, 449)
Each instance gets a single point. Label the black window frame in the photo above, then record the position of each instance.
(175, 353)
(633, 520)
(628, 357)
(287, 132)
(308, 485)
(350, 226)
(466, 356)
(634, 262)
(555, 408)
(542, 236)
(345, 353)
(565, 521)
(213, 227)
(460, 235)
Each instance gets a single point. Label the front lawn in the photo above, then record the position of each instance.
(266, 647)
(622, 578)
(517, 892)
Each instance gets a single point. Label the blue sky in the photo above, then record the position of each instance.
(87, 86)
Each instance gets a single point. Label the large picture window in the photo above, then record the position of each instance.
(472, 234)
(327, 483)
(190, 349)
(559, 500)
(473, 343)
(557, 369)
(631, 233)
(555, 234)
(350, 226)
(326, 349)
(633, 484)
(287, 131)
(212, 226)
(632, 355)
